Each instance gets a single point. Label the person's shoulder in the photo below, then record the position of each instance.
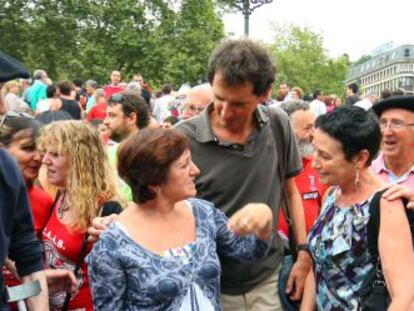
(188, 126)
(276, 115)
(204, 208)
(8, 165)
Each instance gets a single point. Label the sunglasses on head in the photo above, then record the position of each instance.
(14, 114)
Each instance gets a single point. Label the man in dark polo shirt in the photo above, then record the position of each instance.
(237, 144)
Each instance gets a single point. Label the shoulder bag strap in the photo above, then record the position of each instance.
(108, 208)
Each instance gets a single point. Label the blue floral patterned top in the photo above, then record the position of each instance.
(125, 276)
(338, 243)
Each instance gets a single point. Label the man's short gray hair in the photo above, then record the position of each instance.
(39, 74)
(92, 83)
(294, 105)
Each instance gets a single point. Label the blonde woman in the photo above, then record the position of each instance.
(12, 99)
(77, 163)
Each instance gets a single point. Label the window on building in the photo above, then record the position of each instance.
(406, 52)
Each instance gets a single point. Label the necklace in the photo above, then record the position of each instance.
(62, 207)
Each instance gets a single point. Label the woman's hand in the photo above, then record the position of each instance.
(60, 280)
(396, 191)
(99, 225)
(253, 218)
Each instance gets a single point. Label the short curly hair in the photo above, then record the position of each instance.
(241, 61)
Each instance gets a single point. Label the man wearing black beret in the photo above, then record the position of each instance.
(395, 164)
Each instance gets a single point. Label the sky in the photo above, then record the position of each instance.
(354, 27)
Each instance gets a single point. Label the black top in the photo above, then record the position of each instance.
(17, 235)
(72, 107)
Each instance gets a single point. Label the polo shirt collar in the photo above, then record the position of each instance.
(204, 131)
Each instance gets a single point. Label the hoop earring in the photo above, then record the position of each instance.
(356, 180)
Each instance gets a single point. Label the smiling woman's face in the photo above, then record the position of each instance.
(23, 149)
(330, 162)
(56, 168)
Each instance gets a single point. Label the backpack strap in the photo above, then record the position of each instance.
(279, 139)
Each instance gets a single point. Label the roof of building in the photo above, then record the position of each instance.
(400, 53)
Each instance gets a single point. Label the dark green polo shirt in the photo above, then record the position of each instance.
(232, 175)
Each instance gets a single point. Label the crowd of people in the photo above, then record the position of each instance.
(212, 197)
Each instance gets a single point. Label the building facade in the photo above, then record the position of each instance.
(392, 70)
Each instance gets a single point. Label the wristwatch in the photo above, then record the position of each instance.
(303, 247)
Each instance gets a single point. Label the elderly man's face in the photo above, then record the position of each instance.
(397, 140)
(303, 127)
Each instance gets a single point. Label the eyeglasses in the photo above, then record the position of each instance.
(13, 114)
(194, 108)
(393, 124)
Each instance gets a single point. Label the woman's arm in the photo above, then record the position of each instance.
(396, 254)
(41, 301)
(309, 293)
(246, 236)
(107, 276)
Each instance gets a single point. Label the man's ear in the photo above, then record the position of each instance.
(132, 118)
(266, 94)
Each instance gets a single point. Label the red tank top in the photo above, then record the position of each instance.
(62, 248)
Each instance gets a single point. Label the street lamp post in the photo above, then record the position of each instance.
(247, 7)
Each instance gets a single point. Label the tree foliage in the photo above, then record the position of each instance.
(166, 41)
(302, 61)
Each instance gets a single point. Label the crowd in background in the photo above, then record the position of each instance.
(211, 197)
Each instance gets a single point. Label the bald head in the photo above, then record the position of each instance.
(197, 99)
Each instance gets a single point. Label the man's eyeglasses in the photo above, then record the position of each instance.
(13, 114)
(195, 108)
(394, 124)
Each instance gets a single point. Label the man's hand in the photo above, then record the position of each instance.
(60, 280)
(396, 191)
(254, 218)
(297, 276)
(99, 225)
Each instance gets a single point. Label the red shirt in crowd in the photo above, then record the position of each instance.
(62, 249)
(110, 90)
(97, 112)
(311, 192)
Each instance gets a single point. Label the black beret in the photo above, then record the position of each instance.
(401, 101)
(11, 69)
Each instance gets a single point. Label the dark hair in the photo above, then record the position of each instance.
(50, 116)
(171, 119)
(50, 91)
(65, 87)
(316, 93)
(385, 94)
(77, 82)
(353, 87)
(354, 128)
(13, 124)
(96, 122)
(144, 159)
(241, 61)
(166, 89)
(132, 103)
